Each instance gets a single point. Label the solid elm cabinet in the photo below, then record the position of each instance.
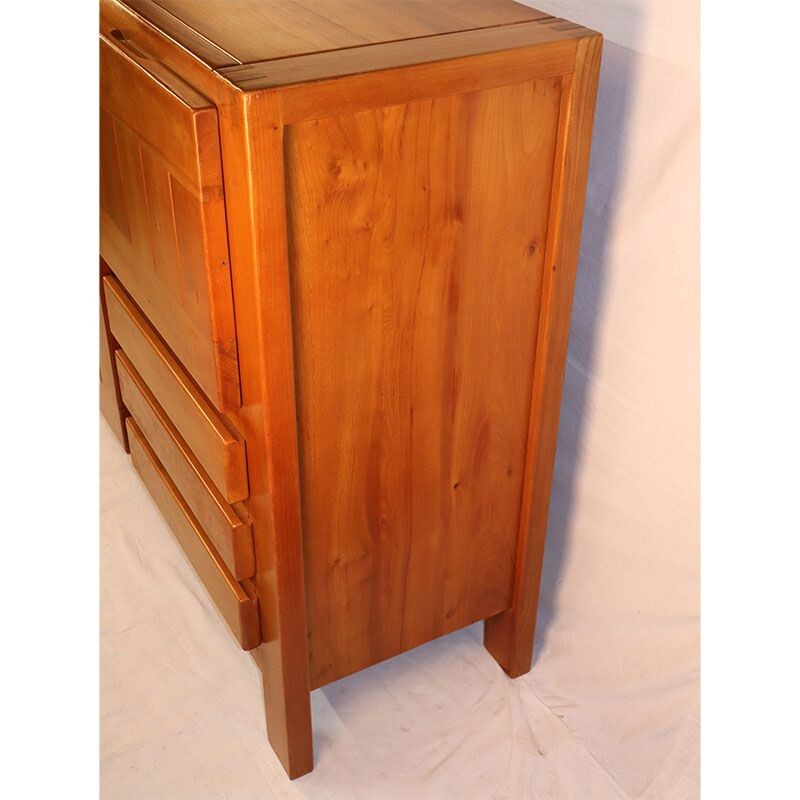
(338, 248)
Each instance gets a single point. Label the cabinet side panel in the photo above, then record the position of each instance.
(417, 237)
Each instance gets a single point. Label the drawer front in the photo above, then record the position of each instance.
(236, 602)
(162, 214)
(214, 443)
(110, 396)
(231, 537)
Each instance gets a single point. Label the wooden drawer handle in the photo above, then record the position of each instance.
(119, 41)
(126, 44)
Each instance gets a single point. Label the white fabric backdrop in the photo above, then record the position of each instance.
(611, 707)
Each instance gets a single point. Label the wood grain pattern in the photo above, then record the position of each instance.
(213, 441)
(176, 121)
(231, 537)
(160, 45)
(417, 238)
(509, 636)
(237, 607)
(163, 227)
(331, 65)
(254, 30)
(194, 42)
(403, 193)
(252, 145)
(111, 405)
(308, 101)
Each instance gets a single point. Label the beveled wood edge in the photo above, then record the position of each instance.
(222, 312)
(304, 102)
(509, 636)
(243, 566)
(198, 168)
(346, 62)
(248, 634)
(252, 144)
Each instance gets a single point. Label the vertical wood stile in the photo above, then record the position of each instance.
(509, 636)
(252, 145)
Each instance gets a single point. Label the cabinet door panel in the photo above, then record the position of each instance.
(162, 220)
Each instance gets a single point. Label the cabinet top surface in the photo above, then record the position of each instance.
(251, 31)
(262, 44)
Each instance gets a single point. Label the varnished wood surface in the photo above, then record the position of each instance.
(163, 226)
(331, 65)
(194, 42)
(230, 536)
(316, 100)
(415, 286)
(509, 636)
(237, 607)
(252, 146)
(255, 30)
(119, 19)
(110, 396)
(281, 201)
(254, 200)
(176, 120)
(217, 447)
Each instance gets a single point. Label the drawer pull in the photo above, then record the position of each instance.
(119, 37)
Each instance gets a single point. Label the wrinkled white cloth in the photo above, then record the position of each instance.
(611, 707)
(182, 716)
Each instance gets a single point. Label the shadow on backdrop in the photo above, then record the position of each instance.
(607, 165)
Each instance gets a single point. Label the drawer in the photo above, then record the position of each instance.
(235, 601)
(110, 397)
(212, 440)
(231, 537)
(162, 212)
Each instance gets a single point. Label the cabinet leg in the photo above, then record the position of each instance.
(500, 640)
(509, 636)
(288, 713)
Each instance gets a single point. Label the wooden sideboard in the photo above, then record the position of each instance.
(338, 246)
